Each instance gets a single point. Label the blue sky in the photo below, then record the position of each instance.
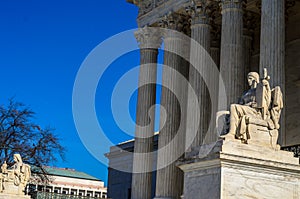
(42, 46)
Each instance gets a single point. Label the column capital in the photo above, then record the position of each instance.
(232, 5)
(148, 37)
(173, 21)
(200, 11)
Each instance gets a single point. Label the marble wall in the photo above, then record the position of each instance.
(258, 183)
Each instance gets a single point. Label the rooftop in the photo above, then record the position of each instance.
(72, 173)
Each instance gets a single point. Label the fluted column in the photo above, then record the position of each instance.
(169, 180)
(232, 49)
(272, 42)
(272, 45)
(199, 119)
(149, 41)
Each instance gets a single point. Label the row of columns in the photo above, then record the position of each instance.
(234, 57)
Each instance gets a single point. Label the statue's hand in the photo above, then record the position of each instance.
(254, 105)
(251, 104)
(265, 82)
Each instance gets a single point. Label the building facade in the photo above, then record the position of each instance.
(240, 36)
(120, 181)
(65, 183)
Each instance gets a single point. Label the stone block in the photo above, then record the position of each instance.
(12, 196)
(238, 170)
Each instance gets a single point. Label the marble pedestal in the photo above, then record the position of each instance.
(232, 170)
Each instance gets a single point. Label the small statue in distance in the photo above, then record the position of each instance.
(14, 179)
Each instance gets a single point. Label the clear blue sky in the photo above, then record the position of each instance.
(42, 45)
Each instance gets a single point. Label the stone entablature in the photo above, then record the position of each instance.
(152, 10)
(150, 13)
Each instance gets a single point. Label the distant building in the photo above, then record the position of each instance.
(67, 182)
(119, 182)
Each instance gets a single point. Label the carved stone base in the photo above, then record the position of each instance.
(261, 136)
(12, 189)
(230, 169)
(11, 196)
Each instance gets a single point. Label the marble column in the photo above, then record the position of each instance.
(272, 46)
(169, 178)
(232, 69)
(200, 32)
(272, 42)
(150, 41)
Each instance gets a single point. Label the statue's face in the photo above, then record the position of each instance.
(251, 80)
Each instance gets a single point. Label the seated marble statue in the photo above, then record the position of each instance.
(256, 116)
(14, 179)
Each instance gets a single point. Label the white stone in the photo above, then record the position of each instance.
(10, 196)
(232, 170)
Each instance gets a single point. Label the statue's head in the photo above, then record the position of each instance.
(253, 78)
(17, 158)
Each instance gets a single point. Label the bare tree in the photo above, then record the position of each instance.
(19, 134)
